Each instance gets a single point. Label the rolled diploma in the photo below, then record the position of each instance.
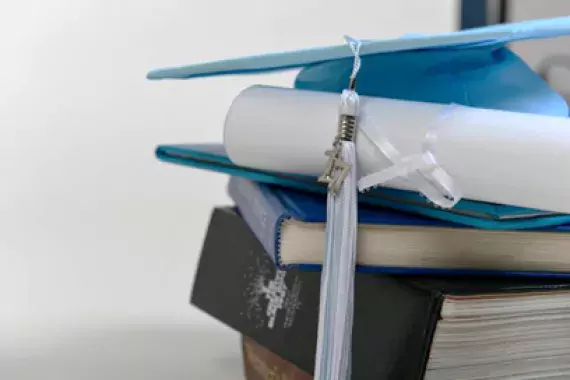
(492, 156)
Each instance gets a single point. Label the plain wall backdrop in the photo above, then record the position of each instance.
(538, 52)
(98, 240)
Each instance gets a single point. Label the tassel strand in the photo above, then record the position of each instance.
(334, 343)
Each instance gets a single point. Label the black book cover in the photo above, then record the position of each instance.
(394, 318)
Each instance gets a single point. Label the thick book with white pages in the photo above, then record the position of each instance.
(405, 327)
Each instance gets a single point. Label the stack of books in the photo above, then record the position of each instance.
(417, 314)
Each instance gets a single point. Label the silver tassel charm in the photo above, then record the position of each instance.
(333, 357)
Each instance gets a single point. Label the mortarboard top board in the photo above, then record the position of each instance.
(470, 38)
(470, 67)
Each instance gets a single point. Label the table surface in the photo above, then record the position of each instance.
(137, 351)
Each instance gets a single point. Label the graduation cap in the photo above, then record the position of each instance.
(472, 68)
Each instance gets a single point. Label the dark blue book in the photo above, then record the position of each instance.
(290, 224)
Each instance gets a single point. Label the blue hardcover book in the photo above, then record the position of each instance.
(470, 213)
(290, 224)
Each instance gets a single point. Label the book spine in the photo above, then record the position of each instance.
(261, 364)
(238, 284)
(262, 211)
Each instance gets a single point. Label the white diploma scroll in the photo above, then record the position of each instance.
(490, 155)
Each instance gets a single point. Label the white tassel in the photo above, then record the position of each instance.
(333, 357)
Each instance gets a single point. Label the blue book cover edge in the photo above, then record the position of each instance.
(212, 157)
(262, 211)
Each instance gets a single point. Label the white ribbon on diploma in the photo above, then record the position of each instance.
(421, 170)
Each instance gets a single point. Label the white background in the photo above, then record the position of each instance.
(98, 240)
(537, 52)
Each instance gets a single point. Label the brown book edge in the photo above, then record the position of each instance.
(261, 364)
